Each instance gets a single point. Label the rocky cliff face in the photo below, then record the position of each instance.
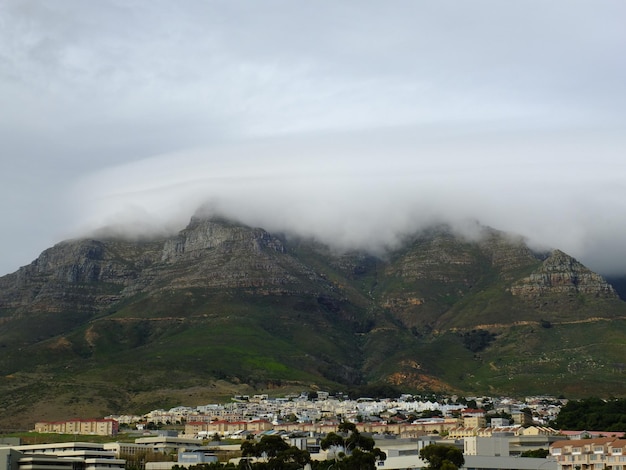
(90, 275)
(202, 235)
(79, 275)
(437, 267)
(561, 274)
(219, 254)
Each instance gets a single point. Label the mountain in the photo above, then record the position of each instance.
(109, 325)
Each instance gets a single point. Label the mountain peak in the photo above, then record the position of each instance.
(560, 273)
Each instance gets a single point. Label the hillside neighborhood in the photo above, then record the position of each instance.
(492, 433)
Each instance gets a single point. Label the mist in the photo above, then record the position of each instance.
(368, 190)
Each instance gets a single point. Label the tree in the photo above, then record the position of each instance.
(347, 426)
(442, 457)
(357, 440)
(278, 455)
(360, 453)
(593, 413)
(332, 440)
(536, 453)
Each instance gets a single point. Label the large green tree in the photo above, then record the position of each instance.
(442, 457)
(274, 454)
(357, 451)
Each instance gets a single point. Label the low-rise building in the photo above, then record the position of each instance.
(590, 454)
(59, 456)
(100, 427)
(491, 446)
(167, 444)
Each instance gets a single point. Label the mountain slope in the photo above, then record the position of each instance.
(113, 326)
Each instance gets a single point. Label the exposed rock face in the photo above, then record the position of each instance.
(562, 274)
(89, 275)
(205, 234)
(220, 255)
(78, 275)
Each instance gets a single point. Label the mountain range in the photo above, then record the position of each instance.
(106, 325)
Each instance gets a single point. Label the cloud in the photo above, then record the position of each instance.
(368, 189)
(398, 114)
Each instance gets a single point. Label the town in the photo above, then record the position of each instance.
(491, 433)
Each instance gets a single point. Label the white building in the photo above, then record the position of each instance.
(60, 456)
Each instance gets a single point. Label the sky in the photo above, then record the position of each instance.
(354, 122)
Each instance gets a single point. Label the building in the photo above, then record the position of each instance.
(168, 445)
(590, 454)
(59, 456)
(100, 427)
(499, 422)
(474, 418)
(124, 449)
(533, 442)
(522, 417)
(404, 454)
(488, 446)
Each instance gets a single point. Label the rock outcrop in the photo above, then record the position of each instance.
(560, 274)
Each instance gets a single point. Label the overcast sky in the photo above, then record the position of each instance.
(354, 122)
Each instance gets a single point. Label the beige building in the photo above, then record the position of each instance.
(225, 427)
(124, 449)
(100, 427)
(475, 420)
(590, 454)
(405, 430)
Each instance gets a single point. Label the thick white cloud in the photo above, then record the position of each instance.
(367, 189)
(351, 121)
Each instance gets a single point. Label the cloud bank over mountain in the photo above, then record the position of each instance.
(353, 122)
(367, 190)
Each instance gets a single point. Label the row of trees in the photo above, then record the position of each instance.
(593, 413)
(350, 450)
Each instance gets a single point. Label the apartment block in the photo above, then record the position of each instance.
(590, 454)
(100, 427)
